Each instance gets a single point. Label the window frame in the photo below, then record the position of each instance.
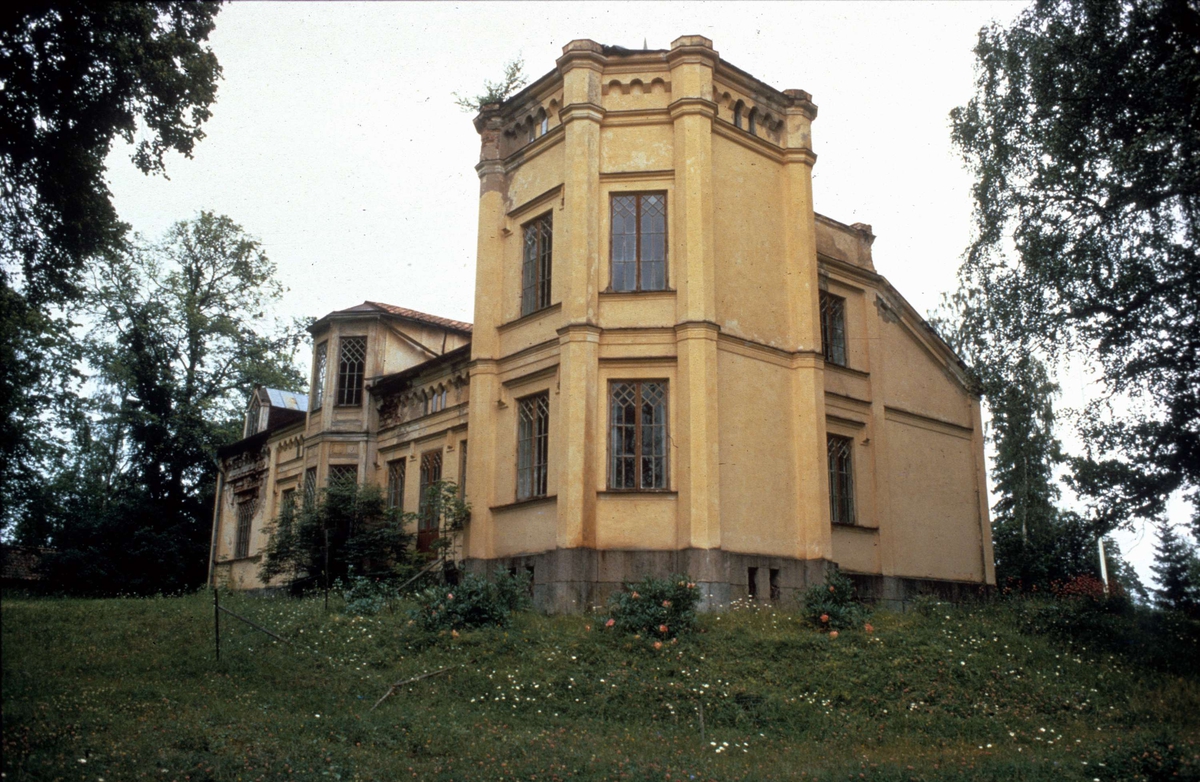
(427, 524)
(337, 474)
(309, 498)
(842, 506)
(829, 306)
(397, 477)
(320, 365)
(540, 266)
(359, 377)
(639, 195)
(637, 453)
(538, 441)
(244, 509)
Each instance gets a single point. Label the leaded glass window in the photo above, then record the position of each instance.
(395, 483)
(310, 486)
(535, 264)
(343, 474)
(245, 517)
(427, 525)
(638, 439)
(833, 328)
(841, 479)
(533, 445)
(352, 363)
(639, 242)
(318, 379)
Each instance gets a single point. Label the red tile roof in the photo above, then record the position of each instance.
(404, 312)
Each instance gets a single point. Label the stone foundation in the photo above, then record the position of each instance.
(571, 581)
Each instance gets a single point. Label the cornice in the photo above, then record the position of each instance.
(687, 107)
(581, 111)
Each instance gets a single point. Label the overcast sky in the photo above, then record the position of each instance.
(335, 138)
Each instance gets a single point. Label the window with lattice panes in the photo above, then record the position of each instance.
(833, 328)
(841, 479)
(638, 250)
(352, 364)
(536, 254)
(310, 486)
(245, 518)
(533, 445)
(638, 435)
(318, 377)
(427, 525)
(343, 474)
(396, 470)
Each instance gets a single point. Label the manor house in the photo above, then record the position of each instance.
(676, 364)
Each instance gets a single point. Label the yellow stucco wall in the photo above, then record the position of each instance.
(735, 337)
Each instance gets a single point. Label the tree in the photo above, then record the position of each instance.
(498, 91)
(348, 530)
(1175, 562)
(180, 334)
(75, 76)
(1084, 141)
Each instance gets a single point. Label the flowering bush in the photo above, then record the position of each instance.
(831, 606)
(655, 607)
(473, 602)
(1080, 587)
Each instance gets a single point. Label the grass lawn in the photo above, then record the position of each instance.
(126, 689)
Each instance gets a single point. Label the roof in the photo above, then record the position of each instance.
(396, 380)
(287, 399)
(368, 307)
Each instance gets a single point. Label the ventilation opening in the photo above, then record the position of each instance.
(774, 580)
(752, 582)
(529, 570)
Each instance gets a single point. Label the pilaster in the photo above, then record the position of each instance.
(692, 273)
(481, 474)
(578, 370)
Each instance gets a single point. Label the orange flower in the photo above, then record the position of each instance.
(662, 629)
(824, 618)
(657, 645)
(610, 623)
(666, 604)
(868, 628)
(634, 595)
(831, 589)
(450, 596)
(833, 634)
(588, 628)
(454, 634)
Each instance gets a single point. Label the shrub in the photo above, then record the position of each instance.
(367, 596)
(656, 607)
(473, 602)
(832, 606)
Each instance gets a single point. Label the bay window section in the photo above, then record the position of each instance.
(638, 436)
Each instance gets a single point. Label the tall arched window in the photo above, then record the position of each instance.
(753, 128)
(737, 114)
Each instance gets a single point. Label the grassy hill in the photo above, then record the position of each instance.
(129, 689)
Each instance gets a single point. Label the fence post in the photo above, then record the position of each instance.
(217, 620)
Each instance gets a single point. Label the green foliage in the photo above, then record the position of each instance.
(136, 682)
(74, 77)
(832, 605)
(1082, 141)
(661, 608)
(473, 602)
(179, 332)
(498, 91)
(1175, 566)
(367, 596)
(349, 527)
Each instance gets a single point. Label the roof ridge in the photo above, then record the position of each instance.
(436, 320)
